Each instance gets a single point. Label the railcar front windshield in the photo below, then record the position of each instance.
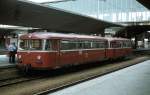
(32, 44)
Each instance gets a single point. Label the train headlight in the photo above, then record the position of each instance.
(39, 61)
(38, 57)
(19, 56)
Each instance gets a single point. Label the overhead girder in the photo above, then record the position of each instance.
(131, 31)
(146, 3)
(29, 14)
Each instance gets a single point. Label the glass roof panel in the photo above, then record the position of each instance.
(108, 10)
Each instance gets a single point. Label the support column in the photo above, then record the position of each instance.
(135, 42)
(103, 33)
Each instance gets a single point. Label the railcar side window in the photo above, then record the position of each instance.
(72, 44)
(48, 45)
(128, 44)
(87, 45)
(68, 45)
(84, 44)
(79, 44)
(31, 44)
(124, 44)
(116, 44)
(64, 45)
(23, 44)
(98, 44)
(36, 45)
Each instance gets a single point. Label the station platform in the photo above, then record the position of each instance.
(134, 80)
(4, 61)
(143, 51)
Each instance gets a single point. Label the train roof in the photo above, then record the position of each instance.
(115, 38)
(51, 35)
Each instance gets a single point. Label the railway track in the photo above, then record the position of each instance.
(56, 80)
(11, 81)
(17, 80)
(11, 75)
(8, 73)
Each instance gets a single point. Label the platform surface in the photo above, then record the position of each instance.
(4, 61)
(134, 80)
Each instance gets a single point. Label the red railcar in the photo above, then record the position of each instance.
(54, 50)
(118, 48)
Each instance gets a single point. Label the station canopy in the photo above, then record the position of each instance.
(30, 14)
(146, 3)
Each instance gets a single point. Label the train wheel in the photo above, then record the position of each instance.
(25, 70)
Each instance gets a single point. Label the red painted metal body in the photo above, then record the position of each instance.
(48, 60)
(56, 58)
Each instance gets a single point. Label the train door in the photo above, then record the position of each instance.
(106, 48)
(114, 46)
(117, 49)
(56, 50)
(111, 49)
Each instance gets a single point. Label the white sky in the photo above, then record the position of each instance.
(41, 1)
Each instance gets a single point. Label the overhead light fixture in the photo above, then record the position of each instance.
(148, 31)
(16, 27)
(42, 1)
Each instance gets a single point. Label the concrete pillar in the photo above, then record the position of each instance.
(143, 40)
(103, 33)
(135, 42)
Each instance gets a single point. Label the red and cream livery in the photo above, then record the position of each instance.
(54, 50)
